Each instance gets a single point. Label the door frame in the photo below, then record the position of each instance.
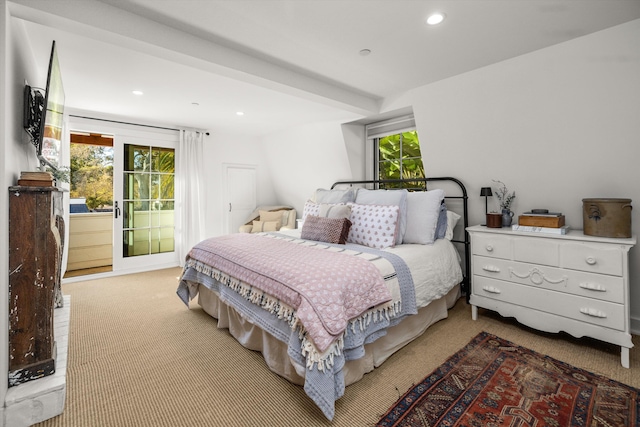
(140, 262)
(226, 216)
(140, 135)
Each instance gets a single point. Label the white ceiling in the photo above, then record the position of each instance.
(290, 62)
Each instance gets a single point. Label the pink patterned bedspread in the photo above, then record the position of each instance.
(326, 288)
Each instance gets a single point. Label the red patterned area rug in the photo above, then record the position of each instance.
(492, 382)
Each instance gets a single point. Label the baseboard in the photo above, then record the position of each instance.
(122, 272)
(634, 325)
(38, 400)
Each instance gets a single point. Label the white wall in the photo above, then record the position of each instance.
(305, 158)
(557, 125)
(354, 137)
(219, 149)
(16, 65)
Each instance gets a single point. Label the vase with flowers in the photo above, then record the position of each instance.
(506, 199)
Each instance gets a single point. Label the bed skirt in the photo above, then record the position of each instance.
(275, 351)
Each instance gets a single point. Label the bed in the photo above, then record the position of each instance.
(367, 272)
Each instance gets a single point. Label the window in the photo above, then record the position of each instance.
(149, 176)
(91, 172)
(396, 151)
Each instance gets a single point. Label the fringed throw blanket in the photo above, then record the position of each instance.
(325, 288)
(275, 278)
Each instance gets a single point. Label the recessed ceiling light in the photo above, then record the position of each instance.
(435, 18)
(365, 52)
(239, 113)
(137, 92)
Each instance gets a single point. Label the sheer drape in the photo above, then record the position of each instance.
(191, 192)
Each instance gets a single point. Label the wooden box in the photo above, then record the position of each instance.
(541, 221)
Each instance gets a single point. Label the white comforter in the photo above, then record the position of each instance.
(435, 268)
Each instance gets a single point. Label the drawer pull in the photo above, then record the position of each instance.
(593, 287)
(491, 289)
(489, 248)
(491, 268)
(593, 312)
(591, 260)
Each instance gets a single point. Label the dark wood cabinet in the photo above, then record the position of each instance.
(36, 236)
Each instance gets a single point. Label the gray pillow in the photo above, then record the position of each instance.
(441, 227)
(328, 210)
(423, 211)
(335, 196)
(387, 197)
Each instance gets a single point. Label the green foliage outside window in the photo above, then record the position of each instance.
(91, 173)
(149, 177)
(400, 157)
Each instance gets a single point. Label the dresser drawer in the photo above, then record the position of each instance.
(604, 259)
(492, 245)
(597, 312)
(589, 285)
(537, 251)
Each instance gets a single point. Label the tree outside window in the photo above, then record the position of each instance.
(399, 157)
(92, 175)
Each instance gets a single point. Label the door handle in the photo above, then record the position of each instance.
(116, 210)
(229, 207)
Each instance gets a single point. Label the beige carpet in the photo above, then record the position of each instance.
(138, 357)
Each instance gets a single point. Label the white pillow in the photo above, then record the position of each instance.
(452, 220)
(423, 209)
(375, 226)
(335, 196)
(328, 210)
(387, 197)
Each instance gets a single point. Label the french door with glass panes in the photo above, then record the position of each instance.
(144, 203)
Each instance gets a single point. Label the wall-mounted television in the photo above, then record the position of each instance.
(43, 114)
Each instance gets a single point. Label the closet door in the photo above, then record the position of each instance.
(240, 195)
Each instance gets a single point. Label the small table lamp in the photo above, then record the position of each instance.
(486, 192)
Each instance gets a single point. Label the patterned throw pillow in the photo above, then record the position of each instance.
(327, 210)
(330, 230)
(310, 208)
(374, 225)
(387, 197)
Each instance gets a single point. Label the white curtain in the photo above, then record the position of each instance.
(191, 226)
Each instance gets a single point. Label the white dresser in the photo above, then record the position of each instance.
(573, 283)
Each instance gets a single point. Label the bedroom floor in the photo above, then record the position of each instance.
(138, 356)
